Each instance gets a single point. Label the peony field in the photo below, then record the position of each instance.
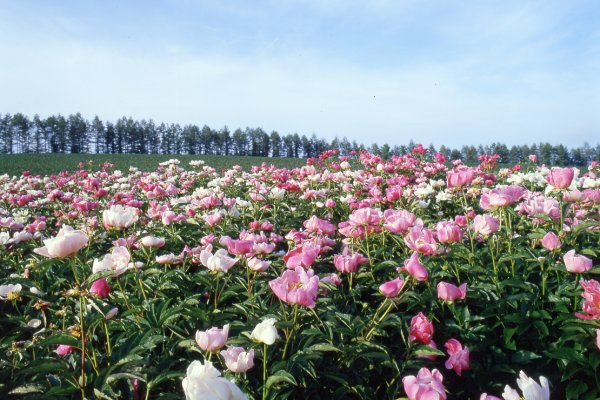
(351, 277)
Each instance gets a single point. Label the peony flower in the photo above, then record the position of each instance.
(414, 267)
(212, 339)
(67, 242)
(449, 292)
(237, 359)
(100, 288)
(153, 241)
(421, 329)
(347, 262)
(501, 197)
(258, 265)
(427, 385)
(391, 288)
(399, 221)
(421, 239)
(10, 292)
(297, 287)
(219, 262)
(304, 256)
(591, 305)
(459, 178)
(63, 349)
(459, 357)
(485, 224)
(560, 178)
(320, 226)
(530, 388)
(203, 381)
(485, 396)
(576, 263)
(448, 232)
(119, 217)
(550, 241)
(265, 332)
(117, 261)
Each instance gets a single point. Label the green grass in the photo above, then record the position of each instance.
(46, 164)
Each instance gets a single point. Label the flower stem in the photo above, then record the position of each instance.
(264, 391)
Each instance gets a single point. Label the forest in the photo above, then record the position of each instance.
(76, 134)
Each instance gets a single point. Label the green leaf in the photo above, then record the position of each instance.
(575, 389)
(428, 351)
(61, 339)
(280, 377)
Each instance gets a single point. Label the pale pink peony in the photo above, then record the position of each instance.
(237, 359)
(213, 339)
(577, 263)
(67, 242)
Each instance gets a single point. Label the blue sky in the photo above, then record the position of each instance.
(442, 72)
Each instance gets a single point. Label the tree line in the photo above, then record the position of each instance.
(75, 134)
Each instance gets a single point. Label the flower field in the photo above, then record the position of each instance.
(347, 278)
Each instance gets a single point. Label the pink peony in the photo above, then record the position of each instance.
(421, 239)
(448, 232)
(417, 270)
(560, 178)
(449, 292)
(63, 349)
(297, 287)
(550, 241)
(421, 329)
(100, 288)
(320, 226)
(427, 385)
(459, 178)
(591, 305)
(459, 357)
(391, 288)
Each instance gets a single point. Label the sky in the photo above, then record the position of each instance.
(442, 72)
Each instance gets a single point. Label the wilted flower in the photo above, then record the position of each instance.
(237, 359)
(67, 242)
(265, 332)
(203, 381)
